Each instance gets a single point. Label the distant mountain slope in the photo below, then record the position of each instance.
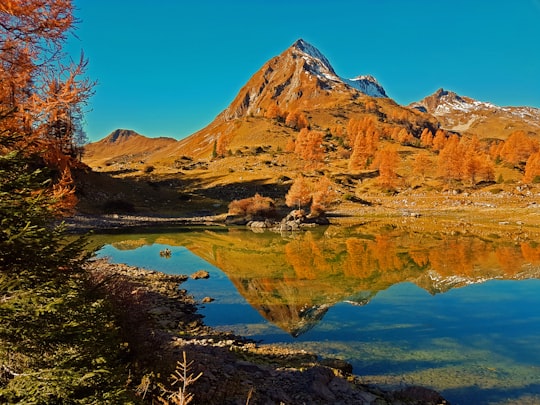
(123, 145)
(464, 114)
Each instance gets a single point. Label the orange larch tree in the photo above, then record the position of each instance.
(387, 161)
(450, 160)
(364, 137)
(477, 163)
(273, 112)
(291, 145)
(422, 164)
(222, 144)
(464, 160)
(299, 195)
(439, 140)
(297, 120)
(41, 96)
(318, 195)
(309, 147)
(405, 137)
(323, 196)
(532, 169)
(41, 93)
(426, 138)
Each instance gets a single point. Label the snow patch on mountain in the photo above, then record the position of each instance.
(367, 84)
(317, 64)
(310, 51)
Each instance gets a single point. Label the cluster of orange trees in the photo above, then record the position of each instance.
(371, 145)
(294, 119)
(317, 194)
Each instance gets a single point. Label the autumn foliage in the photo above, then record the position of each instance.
(387, 161)
(465, 160)
(309, 146)
(253, 206)
(422, 164)
(299, 195)
(363, 137)
(532, 169)
(319, 194)
(222, 144)
(296, 119)
(517, 149)
(41, 96)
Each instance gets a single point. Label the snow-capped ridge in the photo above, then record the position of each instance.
(445, 101)
(309, 50)
(318, 65)
(367, 84)
(461, 113)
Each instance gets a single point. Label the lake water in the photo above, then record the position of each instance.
(456, 312)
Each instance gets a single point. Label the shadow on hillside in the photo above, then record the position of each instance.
(239, 190)
(165, 194)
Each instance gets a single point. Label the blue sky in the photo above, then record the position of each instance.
(168, 67)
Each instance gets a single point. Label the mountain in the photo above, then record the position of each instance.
(484, 119)
(123, 145)
(299, 79)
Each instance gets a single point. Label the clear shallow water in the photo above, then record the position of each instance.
(476, 343)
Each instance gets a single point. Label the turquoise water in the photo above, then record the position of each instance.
(476, 344)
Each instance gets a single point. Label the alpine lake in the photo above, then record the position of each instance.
(458, 312)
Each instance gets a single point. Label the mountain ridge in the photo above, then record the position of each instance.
(123, 145)
(301, 80)
(465, 114)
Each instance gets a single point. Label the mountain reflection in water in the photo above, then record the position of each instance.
(292, 280)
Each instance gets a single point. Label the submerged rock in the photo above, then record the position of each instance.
(200, 274)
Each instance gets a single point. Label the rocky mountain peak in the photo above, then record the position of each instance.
(310, 52)
(301, 77)
(121, 135)
(443, 101)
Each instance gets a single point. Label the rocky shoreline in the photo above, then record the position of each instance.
(82, 223)
(163, 324)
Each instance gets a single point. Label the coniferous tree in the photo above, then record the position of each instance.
(422, 164)
(57, 340)
(308, 145)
